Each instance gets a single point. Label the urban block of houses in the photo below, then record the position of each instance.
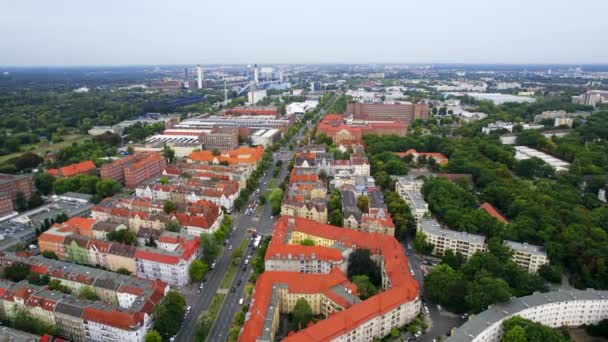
(122, 313)
(73, 241)
(345, 318)
(240, 155)
(85, 167)
(377, 219)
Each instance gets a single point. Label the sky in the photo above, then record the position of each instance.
(153, 32)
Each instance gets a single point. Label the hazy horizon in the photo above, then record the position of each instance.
(141, 33)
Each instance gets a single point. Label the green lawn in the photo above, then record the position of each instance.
(42, 148)
(229, 276)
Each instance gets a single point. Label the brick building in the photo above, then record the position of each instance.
(85, 167)
(134, 169)
(399, 112)
(146, 168)
(10, 185)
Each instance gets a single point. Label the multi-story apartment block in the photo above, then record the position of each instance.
(445, 239)
(557, 309)
(408, 183)
(346, 319)
(315, 209)
(360, 166)
(417, 204)
(529, 257)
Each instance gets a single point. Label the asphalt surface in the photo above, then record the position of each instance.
(441, 321)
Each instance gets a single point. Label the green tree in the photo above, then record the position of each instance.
(87, 292)
(153, 336)
(363, 203)
(173, 226)
(17, 271)
(302, 315)
(486, 290)
(515, 334)
(197, 270)
(107, 187)
(421, 245)
(50, 255)
(209, 247)
(56, 285)
(169, 207)
(169, 314)
(169, 154)
(35, 200)
(307, 242)
(365, 288)
(361, 263)
(123, 236)
(20, 201)
(44, 182)
(124, 271)
(163, 180)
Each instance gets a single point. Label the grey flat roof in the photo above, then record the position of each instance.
(431, 226)
(525, 247)
(416, 199)
(495, 313)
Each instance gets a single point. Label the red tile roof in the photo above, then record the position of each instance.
(493, 212)
(114, 318)
(73, 169)
(404, 287)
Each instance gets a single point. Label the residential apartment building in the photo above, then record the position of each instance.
(12, 184)
(149, 167)
(408, 183)
(445, 239)
(310, 209)
(417, 204)
(529, 257)
(169, 265)
(556, 309)
(345, 319)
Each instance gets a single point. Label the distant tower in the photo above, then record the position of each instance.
(256, 74)
(225, 92)
(186, 74)
(199, 73)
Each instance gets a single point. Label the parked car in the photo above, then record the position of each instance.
(241, 301)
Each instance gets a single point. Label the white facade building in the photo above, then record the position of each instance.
(443, 239)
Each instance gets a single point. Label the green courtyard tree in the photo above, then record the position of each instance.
(153, 336)
(302, 315)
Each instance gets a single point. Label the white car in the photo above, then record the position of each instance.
(241, 301)
(426, 309)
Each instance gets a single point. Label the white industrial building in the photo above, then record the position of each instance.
(265, 137)
(524, 152)
(301, 107)
(254, 96)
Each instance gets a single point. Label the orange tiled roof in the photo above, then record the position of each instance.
(240, 155)
(404, 287)
(73, 169)
(493, 212)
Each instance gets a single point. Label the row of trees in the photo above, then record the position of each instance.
(82, 183)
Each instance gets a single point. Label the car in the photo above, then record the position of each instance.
(247, 262)
(232, 289)
(418, 334)
(464, 315)
(241, 301)
(213, 265)
(230, 247)
(201, 286)
(412, 272)
(188, 308)
(438, 307)
(426, 309)
(238, 283)
(198, 291)
(172, 339)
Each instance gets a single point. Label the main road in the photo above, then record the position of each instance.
(262, 222)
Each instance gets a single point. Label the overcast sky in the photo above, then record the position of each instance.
(108, 32)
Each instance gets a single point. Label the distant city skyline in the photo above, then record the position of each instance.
(70, 32)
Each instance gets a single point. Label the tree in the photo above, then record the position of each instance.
(169, 154)
(215, 152)
(87, 292)
(50, 255)
(515, 334)
(130, 149)
(123, 236)
(307, 242)
(197, 270)
(486, 290)
(275, 198)
(363, 203)
(302, 315)
(365, 288)
(209, 247)
(173, 226)
(23, 320)
(124, 271)
(421, 245)
(153, 336)
(35, 200)
(169, 207)
(17, 271)
(361, 263)
(169, 314)
(107, 187)
(56, 285)
(44, 182)
(163, 180)
(20, 201)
